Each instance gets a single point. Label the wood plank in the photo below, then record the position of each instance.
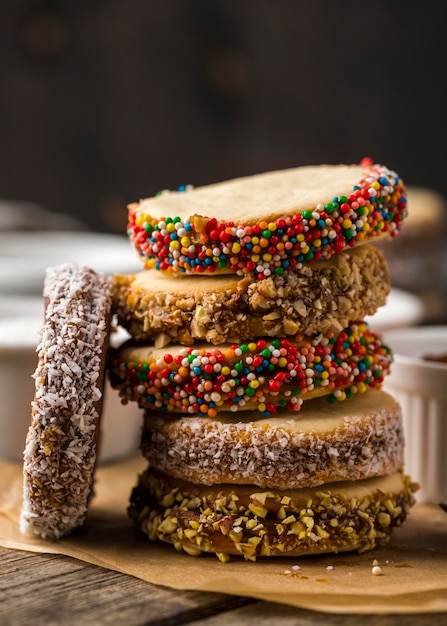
(53, 589)
(270, 614)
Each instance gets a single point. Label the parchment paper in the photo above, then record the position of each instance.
(414, 564)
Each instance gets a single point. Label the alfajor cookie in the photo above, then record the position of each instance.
(251, 522)
(264, 375)
(62, 441)
(268, 223)
(323, 443)
(325, 296)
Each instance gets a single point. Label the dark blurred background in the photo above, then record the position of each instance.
(107, 101)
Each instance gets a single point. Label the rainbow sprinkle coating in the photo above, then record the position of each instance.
(377, 205)
(262, 375)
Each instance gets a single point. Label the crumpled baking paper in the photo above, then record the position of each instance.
(413, 565)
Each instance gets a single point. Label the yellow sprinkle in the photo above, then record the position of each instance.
(235, 248)
(347, 223)
(254, 384)
(282, 361)
(185, 241)
(272, 226)
(255, 258)
(252, 346)
(170, 227)
(174, 245)
(267, 256)
(254, 240)
(375, 185)
(225, 370)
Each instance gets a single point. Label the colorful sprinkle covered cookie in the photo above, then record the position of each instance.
(322, 297)
(262, 374)
(268, 223)
(61, 445)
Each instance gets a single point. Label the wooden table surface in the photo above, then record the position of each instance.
(52, 589)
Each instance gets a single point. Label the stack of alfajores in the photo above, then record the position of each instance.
(265, 429)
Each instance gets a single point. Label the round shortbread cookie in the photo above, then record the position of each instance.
(325, 296)
(262, 375)
(267, 223)
(323, 443)
(61, 445)
(245, 521)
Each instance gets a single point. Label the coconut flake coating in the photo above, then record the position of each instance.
(323, 443)
(60, 453)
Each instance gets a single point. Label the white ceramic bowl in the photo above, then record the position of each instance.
(24, 256)
(20, 322)
(420, 386)
(402, 309)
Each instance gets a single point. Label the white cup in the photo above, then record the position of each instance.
(420, 386)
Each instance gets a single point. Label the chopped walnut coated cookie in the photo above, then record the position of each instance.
(323, 297)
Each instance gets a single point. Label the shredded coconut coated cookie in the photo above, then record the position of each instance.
(61, 445)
